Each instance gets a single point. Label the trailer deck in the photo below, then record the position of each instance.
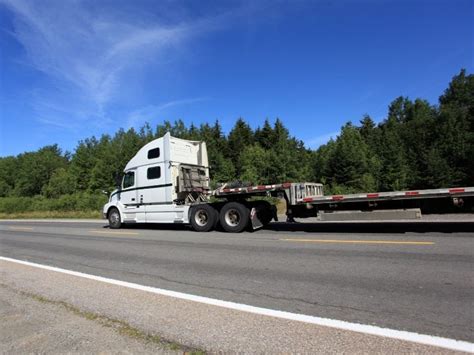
(312, 193)
(455, 192)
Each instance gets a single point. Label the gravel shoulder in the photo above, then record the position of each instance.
(35, 326)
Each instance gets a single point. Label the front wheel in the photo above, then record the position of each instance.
(234, 217)
(114, 218)
(203, 218)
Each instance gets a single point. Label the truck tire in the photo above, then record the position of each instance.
(114, 218)
(203, 218)
(234, 217)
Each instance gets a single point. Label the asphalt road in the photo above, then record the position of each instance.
(402, 276)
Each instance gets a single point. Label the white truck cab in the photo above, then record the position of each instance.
(159, 182)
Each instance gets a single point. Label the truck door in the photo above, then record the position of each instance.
(128, 195)
(133, 211)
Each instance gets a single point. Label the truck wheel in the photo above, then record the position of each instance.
(234, 217)
(203, 218)
(114, 218)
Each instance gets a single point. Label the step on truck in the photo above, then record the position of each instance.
(168, 181)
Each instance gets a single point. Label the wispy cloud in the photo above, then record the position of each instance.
(150, 112)
(86, 53)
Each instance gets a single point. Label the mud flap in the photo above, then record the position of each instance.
(256, 223)
(274, 213)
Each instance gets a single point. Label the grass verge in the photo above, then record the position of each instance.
(51, 214)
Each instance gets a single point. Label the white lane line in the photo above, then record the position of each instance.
(333, 323)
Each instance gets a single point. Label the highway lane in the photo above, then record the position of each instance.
(420, 280)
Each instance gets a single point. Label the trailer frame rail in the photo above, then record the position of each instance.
(454, 192)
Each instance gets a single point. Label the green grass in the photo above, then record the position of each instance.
(51, 214)
(66, 203)
(77, 205)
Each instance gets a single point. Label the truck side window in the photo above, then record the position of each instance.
(128, 179)
(154, 153)
(153, 173)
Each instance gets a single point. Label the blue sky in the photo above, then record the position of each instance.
(73, 69)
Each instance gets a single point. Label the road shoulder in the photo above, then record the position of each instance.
(35, 324)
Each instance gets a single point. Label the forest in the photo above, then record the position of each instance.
(418, 145)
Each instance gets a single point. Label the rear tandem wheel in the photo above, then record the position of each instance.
(234, 217)
(203, 218)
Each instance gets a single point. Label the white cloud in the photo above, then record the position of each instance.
(150, 112)
(86, 52)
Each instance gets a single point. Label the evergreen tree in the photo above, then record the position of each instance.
(221, 167)
(349, 163)
(394, 168)
(456, 139)
(162, 129)
(369, 132)
(193, 133)
(321, 167)
(371, 135)
(240, 136)
(284, 164)
(418, 135)
(264, 136)
(399, 109)
(145, 134)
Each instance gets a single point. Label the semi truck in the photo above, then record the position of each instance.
(168, 181)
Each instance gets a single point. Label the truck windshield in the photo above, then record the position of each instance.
(128, 179)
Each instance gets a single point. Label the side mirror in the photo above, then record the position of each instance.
(118, 181)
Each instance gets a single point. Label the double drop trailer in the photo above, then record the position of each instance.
(167, 181)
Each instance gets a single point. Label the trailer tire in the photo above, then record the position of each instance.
(203, 218)
(234, 217)
(114, 218)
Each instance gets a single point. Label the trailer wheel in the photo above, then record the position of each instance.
(114, 218)
(203, 218)
(234, 217)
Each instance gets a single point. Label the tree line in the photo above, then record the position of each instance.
(417, 145)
